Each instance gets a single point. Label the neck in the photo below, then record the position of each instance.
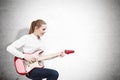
(36, 35)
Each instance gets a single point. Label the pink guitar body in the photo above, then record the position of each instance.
(23, 67)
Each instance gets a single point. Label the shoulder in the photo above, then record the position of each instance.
(25, 37)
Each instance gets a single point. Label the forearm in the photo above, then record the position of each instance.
(47, 57)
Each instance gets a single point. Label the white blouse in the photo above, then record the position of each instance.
(29, 44)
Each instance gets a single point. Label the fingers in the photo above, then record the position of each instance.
(33, 60)
(61, 54)
(30, 59)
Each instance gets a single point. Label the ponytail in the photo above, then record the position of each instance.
(32, 27)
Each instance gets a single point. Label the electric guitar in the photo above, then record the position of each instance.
(23, 67)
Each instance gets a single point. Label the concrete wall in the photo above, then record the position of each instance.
(90, 27)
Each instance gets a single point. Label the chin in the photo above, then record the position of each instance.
(41, 35)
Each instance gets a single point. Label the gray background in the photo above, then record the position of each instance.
(92, 24)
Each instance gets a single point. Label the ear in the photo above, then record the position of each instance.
(36, 27)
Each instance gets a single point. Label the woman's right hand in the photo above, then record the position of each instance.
(30, 58)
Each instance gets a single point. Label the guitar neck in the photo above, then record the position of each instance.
(50, 56)
(47, 57)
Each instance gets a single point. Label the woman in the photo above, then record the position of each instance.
(30, 43)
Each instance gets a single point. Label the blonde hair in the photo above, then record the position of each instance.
(38, 23)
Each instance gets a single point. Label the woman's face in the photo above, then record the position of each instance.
(41, 31)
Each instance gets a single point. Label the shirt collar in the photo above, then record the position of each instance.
(35, 36)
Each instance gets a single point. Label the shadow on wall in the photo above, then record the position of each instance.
(22, 32)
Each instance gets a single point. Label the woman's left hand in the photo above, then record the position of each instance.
(61, 54)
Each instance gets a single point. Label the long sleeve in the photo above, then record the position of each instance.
(13, 48)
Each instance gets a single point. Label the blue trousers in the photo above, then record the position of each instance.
(41, 73)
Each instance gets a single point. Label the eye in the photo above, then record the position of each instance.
(44, 29)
